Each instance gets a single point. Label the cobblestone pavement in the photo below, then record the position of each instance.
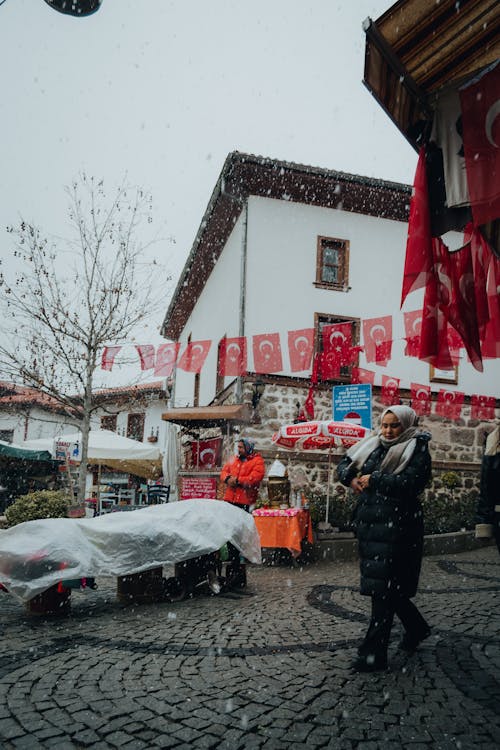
(268, 668)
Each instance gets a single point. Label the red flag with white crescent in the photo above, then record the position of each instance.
(449, 404)
(206, 454)
(166, 356)
(233, 357)
(389, 393)
(108, 357)
(267, 353)
(194, 356)
(413, 325)
(146, 354)
(480, 102)
(300, 348)
(418, 260)
(420, 398)
(360, 375)
(482, 407)
(377, 339)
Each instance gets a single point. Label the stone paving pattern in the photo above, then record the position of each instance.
(267, 668)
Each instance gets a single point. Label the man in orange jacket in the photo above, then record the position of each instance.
(242, 477)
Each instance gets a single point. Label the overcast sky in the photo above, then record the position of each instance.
(163, 90)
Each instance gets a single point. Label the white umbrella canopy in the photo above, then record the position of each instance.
(320, 435)
(106, 448)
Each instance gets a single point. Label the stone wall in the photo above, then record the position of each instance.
(455, 447)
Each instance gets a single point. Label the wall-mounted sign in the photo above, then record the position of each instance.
(198, 487)
(353, 403)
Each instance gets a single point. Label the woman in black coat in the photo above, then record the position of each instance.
(388, 472)
(488, 507)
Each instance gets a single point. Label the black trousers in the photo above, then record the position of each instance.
(232, 551)
(376, 640)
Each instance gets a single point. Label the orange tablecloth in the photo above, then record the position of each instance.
(286, 531)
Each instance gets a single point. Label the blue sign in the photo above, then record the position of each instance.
(353, 403)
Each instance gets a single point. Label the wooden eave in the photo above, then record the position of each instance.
(208, 416)
(419, 47)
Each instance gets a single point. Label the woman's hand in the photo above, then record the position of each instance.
(232, 482)
(356, 486)
(359, 484)
(364, 481)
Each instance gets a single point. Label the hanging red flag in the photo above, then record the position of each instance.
(309, 402)
(420, 398)
(413, 324)
(482, 407)
(166, 356)
(377, 339)
(480, 104)
(461, 310)
(300, 349)
(493, 294)
(481, 254)
(206, 454)
(490, 345)
(434, 346)
(194, 356)
(360, 375)
(267, 353)
(108, 357)
(418, 260)
(449, 404)
(233, 357)
(337, 349)
(146, 354)
(389, 394)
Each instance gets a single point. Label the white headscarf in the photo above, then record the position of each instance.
(401, 448)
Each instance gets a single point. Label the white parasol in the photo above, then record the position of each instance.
(320, 435)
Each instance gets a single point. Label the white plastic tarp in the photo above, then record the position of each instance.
(37, 554)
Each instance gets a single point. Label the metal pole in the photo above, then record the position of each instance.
(328, 483)
(243, 286)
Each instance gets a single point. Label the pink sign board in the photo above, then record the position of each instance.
(198, 487)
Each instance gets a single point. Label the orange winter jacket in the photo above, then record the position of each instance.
(249, 474)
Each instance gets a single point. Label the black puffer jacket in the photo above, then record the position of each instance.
(389, 521)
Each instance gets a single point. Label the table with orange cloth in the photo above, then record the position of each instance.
(283, 528)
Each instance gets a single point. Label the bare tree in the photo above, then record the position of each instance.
(72, 297)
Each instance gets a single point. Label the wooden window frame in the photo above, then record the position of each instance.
(109, 419)
(330, 319)
(129, 419)
(342, 285)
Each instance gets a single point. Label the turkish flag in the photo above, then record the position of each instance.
(146, 354)
(206, 454)
(337, 349)
(389, 394)
(461, 311)
(418, 259)
(194, 356)
(493, 294)
(300, 348)
(490, 345)
(108, 357)
(360, 375)
(166, 356)
(449, 404)
(481, 254)
(233, 357)
(420, 398)
(434, 346)
(413, 324)
(267, 353)
(377, 339)
(480, 102)
(482, 407)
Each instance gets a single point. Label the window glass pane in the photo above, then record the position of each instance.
(330, 274)
(331, 255)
